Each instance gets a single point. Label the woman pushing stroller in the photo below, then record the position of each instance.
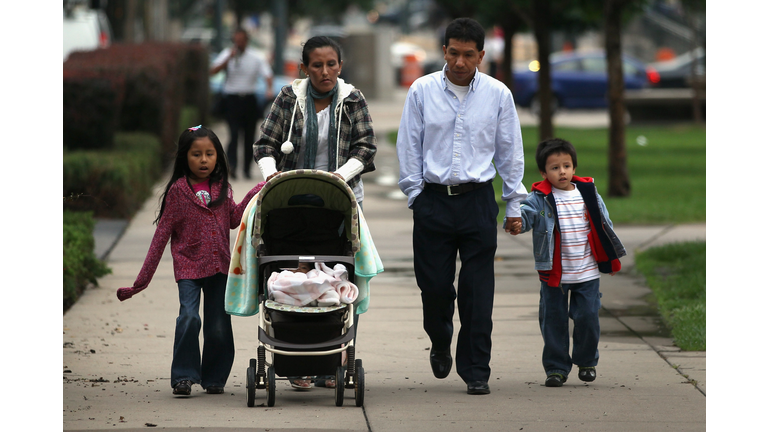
(320, 122)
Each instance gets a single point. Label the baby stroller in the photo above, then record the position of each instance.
(305, 216)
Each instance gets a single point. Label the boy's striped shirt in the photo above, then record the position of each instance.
(578, 263)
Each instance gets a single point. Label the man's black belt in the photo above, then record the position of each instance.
(456, 189)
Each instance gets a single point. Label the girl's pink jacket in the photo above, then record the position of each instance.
(199, 235)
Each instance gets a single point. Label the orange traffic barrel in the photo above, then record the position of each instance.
(411, 70)
(291, 69)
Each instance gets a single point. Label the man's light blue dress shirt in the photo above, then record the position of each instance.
(442, 140)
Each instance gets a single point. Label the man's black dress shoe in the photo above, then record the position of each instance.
(441, 362)
(478, 388)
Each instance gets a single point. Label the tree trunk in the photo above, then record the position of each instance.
(510, 25)
(618, 176)
(697, 83)
(149, 34)
(130, 22)
(542, 31)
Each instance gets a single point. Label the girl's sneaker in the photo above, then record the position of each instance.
(183, 387)
(587, 374)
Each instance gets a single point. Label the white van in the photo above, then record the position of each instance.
(85, 29)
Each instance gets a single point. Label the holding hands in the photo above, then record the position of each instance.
(513, 225)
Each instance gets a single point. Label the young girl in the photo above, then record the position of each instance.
(196, 213)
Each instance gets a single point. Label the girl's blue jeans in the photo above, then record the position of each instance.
(218, 340)
(554, 313)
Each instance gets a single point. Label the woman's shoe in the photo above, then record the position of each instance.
(327, 382)
(301, 383)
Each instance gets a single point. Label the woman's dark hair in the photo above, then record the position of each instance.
(181, 169)
(316, 42)
(553, 146)
(465, 30)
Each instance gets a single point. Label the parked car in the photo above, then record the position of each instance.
(579, 80)
(677, 72)
(84, 29)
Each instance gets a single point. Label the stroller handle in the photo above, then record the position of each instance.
(307, 258)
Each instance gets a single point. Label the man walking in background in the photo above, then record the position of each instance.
(243, 65)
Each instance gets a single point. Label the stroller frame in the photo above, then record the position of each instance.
(261, 374)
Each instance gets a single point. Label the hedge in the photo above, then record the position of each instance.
(112, 183)
(80, 264)
(144, 85)
(91, 111)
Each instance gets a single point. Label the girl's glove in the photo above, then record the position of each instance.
(125, 293)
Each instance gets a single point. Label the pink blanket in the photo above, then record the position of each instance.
(322, 286)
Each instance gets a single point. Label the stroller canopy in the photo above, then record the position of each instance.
(308, 188)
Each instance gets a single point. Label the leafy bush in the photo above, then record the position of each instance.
(112, 183)
(91, 112)
(152, 81)
(80, 264)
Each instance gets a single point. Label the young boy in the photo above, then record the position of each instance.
(573, 242)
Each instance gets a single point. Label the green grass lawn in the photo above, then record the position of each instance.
(677, 275)
(667, 175)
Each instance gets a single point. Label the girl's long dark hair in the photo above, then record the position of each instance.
(181, 169)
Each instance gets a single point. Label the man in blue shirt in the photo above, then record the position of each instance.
(456, 125)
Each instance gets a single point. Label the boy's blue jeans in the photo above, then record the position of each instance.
(554, 313)
(218, 340)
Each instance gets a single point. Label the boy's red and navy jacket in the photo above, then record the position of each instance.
(539, 213)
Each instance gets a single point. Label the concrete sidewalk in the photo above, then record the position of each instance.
(116, 356)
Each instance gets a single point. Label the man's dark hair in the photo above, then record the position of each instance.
(465, 30)
(553, 146)
(240, 30)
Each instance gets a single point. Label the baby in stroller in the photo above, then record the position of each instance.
(312, 286)
(309, 285)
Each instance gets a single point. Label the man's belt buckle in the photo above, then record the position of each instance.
(449, 190)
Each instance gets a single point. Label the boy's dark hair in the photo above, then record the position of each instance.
(316, 42)
(181, 165)
(553, 146)
(465, 30)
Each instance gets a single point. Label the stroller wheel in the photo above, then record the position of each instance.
(359, 383)
(250, 387)
(339, 385)
(271, 386)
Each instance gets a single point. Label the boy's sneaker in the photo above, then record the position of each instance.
(214, 390)
(183, 387)
(555, 380)
(587, 374)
